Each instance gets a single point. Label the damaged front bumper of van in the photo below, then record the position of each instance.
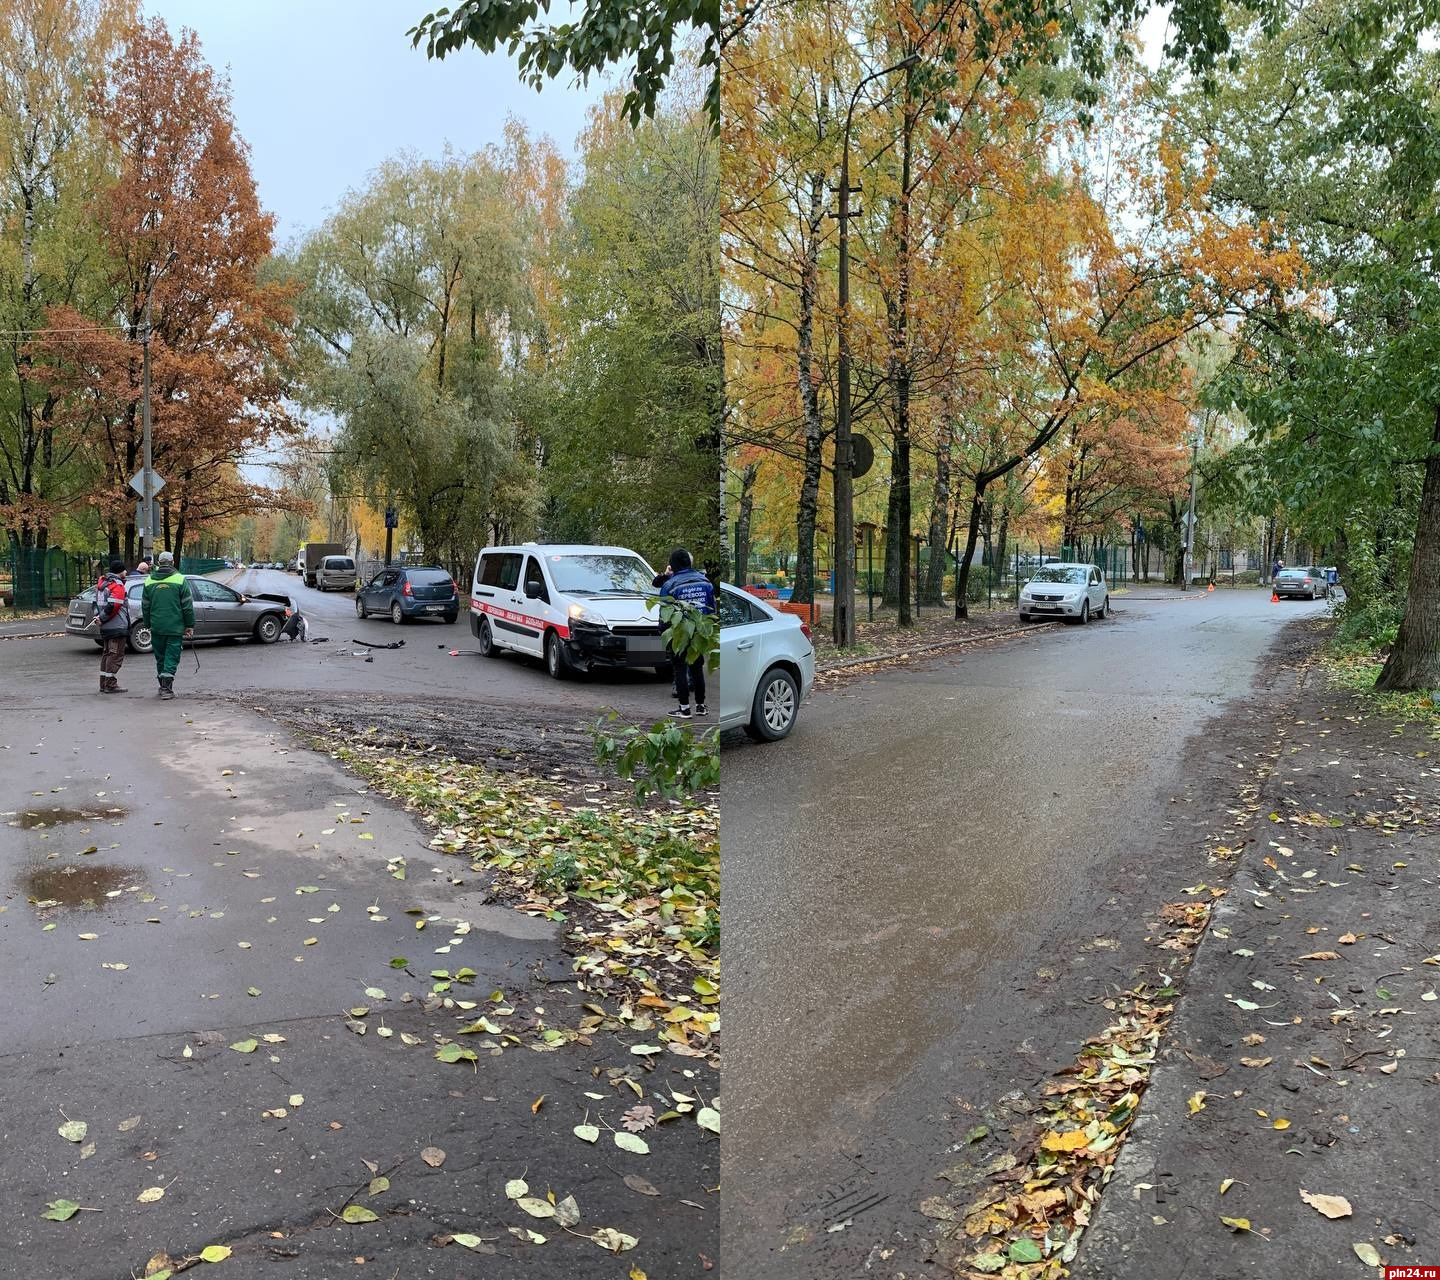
(634, 645)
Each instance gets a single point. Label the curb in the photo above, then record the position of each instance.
(929, 648)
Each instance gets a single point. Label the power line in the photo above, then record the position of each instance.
(94, 328)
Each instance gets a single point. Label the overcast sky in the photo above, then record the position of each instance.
(324, 90)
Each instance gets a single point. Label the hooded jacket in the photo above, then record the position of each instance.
(112, 610)
(166, 603)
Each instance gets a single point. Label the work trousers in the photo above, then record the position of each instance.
(112, 654)
(167, 653)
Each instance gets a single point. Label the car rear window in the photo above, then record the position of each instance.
(337, 562)
(428, 577)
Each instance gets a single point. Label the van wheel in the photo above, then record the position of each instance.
(556, 663)
(777, 700)
(486, 639)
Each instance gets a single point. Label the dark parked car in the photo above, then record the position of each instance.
(1305, 580)
(409, 591)
(220, 614)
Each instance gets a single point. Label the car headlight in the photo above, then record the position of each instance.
(1071, 597)
(579, 613)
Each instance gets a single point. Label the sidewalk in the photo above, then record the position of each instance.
(18, 627)
(1302, 1056)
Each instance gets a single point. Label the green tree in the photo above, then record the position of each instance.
(632, 449)
(606, 32)
(1332, 126)
(416, 316)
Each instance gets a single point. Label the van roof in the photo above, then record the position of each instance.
(564, 549)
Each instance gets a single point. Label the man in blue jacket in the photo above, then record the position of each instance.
(688, 586)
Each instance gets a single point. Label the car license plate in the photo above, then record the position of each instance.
(433, 608)
(76, 620)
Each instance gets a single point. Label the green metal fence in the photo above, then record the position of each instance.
(199, 564)
(33, 579)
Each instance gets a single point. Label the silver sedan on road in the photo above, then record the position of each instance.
(1075, 592)
(767, 666)
(220, 613)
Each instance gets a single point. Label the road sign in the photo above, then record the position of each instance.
(862, 455)
(392, 518)
(137, 482)
(154, 528)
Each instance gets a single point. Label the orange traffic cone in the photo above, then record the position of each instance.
(1211, 587)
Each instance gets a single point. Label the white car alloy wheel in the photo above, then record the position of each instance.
(776, 702)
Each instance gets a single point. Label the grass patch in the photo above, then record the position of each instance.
(1355, 666)
(639, 889)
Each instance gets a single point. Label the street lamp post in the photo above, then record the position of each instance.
(1190, 519)
(919, 539)
(844, 621)
(147, 537)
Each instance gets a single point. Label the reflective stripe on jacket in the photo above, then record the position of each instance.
(166, 603)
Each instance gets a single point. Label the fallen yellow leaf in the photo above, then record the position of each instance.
(1071, 1141)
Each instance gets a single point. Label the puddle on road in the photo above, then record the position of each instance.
(29, 819)
(78, 888)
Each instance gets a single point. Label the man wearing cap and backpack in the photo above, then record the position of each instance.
(112, 616)
(169, 611)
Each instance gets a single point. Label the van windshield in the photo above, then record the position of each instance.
(601, 575)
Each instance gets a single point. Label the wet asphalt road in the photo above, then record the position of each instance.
(427, 666)
(925, 838)
(176, 877)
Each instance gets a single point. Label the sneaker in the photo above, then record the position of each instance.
(700, 710)
(680, 713)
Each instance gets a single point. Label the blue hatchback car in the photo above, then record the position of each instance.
(409, 591)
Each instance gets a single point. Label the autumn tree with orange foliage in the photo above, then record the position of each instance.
(180, 220)
(1022, 282)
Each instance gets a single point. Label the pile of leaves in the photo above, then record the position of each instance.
(639, 889)
(1027, 1222)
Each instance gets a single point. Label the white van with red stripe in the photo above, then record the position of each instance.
(576, 607)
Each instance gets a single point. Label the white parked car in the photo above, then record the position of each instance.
(576, 607)
(1075, 592)
(767, 666)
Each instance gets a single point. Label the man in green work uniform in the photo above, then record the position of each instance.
(169, 611)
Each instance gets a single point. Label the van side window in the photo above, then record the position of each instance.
(536, 576)
(508, 576)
